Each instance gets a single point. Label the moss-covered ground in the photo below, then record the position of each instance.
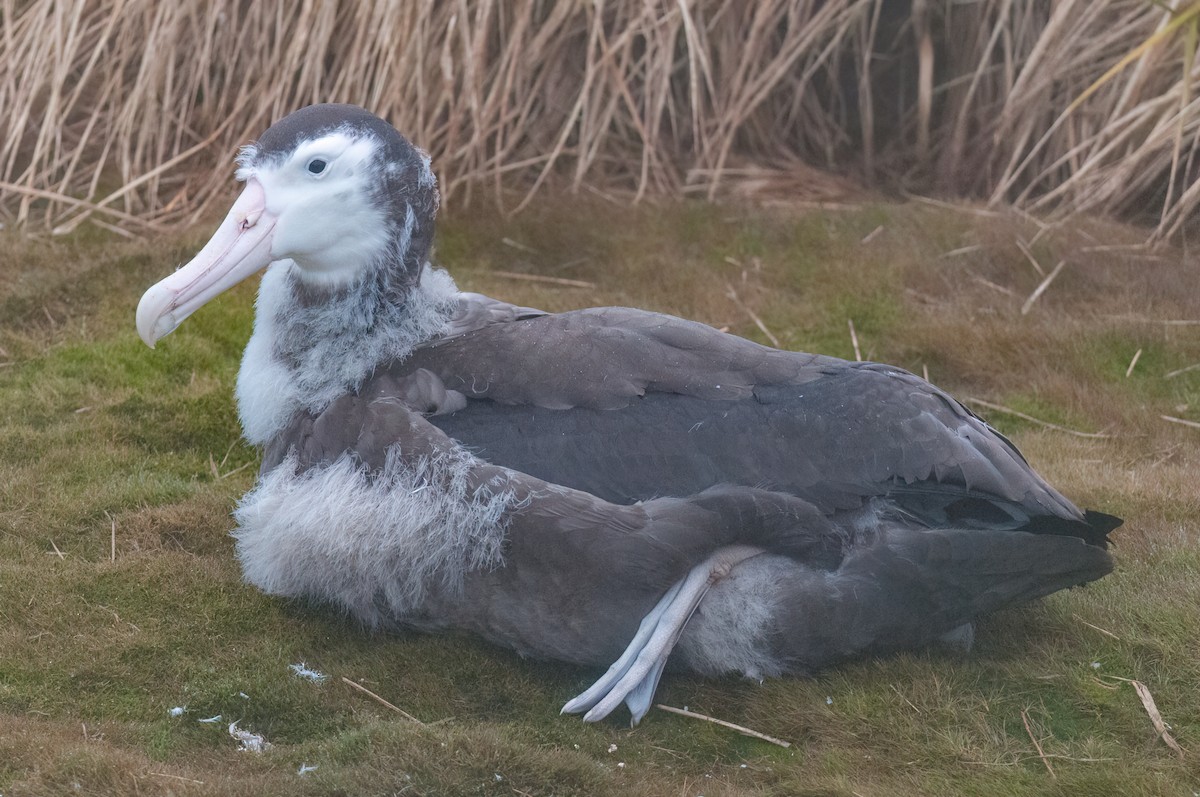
(120, 597)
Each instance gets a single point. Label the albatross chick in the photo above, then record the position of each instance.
(597, 486)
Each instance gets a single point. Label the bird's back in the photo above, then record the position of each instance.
(629, 405)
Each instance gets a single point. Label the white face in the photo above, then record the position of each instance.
(326, 221)
(314, 209)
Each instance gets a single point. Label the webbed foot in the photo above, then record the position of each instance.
(634, 677)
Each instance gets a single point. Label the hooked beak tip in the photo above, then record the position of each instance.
(155, 316)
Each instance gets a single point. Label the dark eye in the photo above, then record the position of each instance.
(316, 166)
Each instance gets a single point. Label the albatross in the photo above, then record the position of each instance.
(602, 486)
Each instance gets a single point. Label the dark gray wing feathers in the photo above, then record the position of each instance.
(630, 404)
(604, 358)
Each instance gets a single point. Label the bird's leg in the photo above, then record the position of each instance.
(634, 677)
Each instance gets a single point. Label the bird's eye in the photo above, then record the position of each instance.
(316, 165)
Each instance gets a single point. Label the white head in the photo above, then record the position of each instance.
(332, 188)
(329, 244)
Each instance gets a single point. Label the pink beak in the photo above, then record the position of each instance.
(240, 247)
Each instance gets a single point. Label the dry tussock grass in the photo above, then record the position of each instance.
(126, 113)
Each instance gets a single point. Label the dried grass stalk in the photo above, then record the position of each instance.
(127, 113)
(1160, 726)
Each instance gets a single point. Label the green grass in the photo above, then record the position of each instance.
(95, 429)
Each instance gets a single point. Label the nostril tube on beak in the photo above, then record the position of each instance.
(250, 218)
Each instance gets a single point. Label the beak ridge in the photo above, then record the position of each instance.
(240, 247)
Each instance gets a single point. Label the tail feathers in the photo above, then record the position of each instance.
(1101, 525)
(977, 573)
(911, 586)
(1093, 529)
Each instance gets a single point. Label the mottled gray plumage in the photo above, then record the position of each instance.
(564, 483)
(542, 601)
(579, 572)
